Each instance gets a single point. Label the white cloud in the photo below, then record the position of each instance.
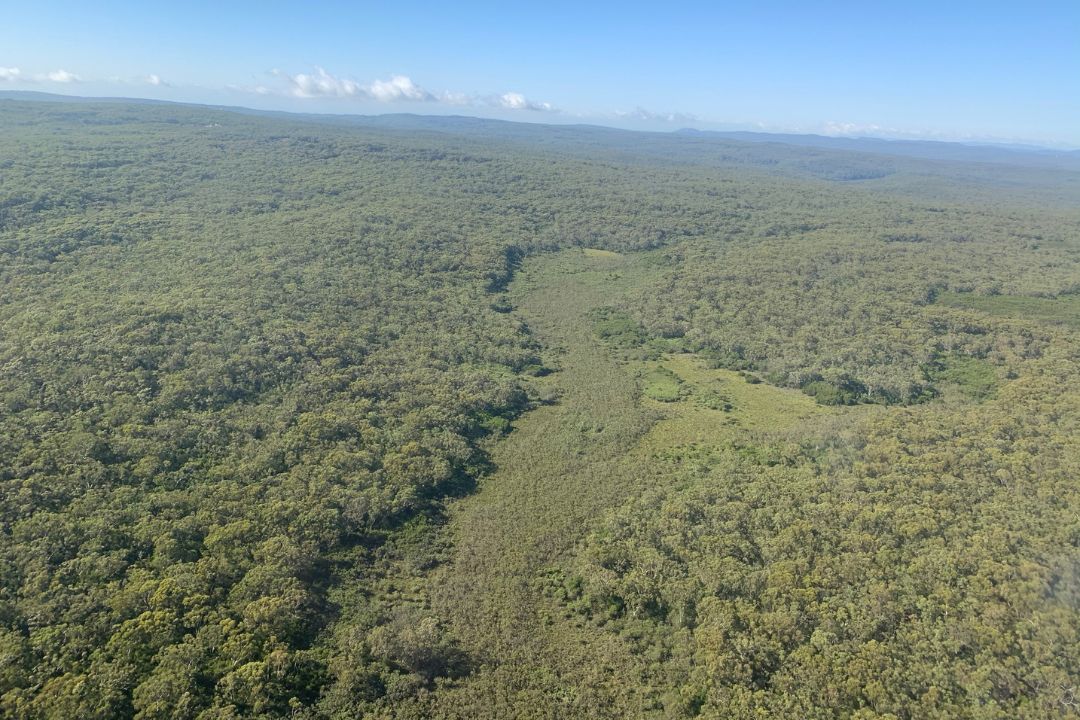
(514, 101)
(155, 80)
(399, 87)
(517, 101)
(12, 74)
(849, 128)
(61, 76)
(641, 113)
(320, 84)
(852, 129)
(455, 98)
(324, 84)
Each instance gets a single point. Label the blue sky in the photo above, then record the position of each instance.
(947, 70)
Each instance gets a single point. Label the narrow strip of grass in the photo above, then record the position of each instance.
(1062, 310)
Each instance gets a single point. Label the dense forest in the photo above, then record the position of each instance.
(411, 417)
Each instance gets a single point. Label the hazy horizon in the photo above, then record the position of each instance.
(1019, 145)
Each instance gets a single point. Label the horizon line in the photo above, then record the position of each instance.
(1010, 145)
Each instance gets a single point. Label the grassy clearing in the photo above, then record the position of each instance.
(755, 405)
(662, 385)
(564, 467)
(598, 253)
(718, 406)
(1063, 310)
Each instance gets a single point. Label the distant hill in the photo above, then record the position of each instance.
(1030, 155)
(832, 159)
(1026, 155)
(35, 96)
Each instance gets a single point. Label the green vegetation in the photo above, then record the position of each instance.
(1064, 309)
(662, 384)
(973, 377)
(598, 253)
(618, 328)
(333, 418)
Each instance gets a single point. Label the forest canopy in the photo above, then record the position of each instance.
(404, 417)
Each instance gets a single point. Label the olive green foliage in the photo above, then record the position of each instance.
(1063, 309)
(336, 418)
(923, 575)
(776, 558)
(238, 354)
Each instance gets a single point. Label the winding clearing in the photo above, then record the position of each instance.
(564, 465)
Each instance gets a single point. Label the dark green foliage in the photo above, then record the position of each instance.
(977, 379)
(843, 390)
(713, 401)
(618, 328)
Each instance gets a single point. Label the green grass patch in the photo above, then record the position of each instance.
(663, 385)
(1062, 310)
(723, 398)
(598, 253)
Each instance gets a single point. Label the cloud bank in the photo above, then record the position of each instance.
(833, 127)
(517, 101)
(14, 74)
(319, 84)
(640, 113)
(398, 89)
(60, 76)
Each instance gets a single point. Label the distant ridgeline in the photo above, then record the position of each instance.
(251, 363)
